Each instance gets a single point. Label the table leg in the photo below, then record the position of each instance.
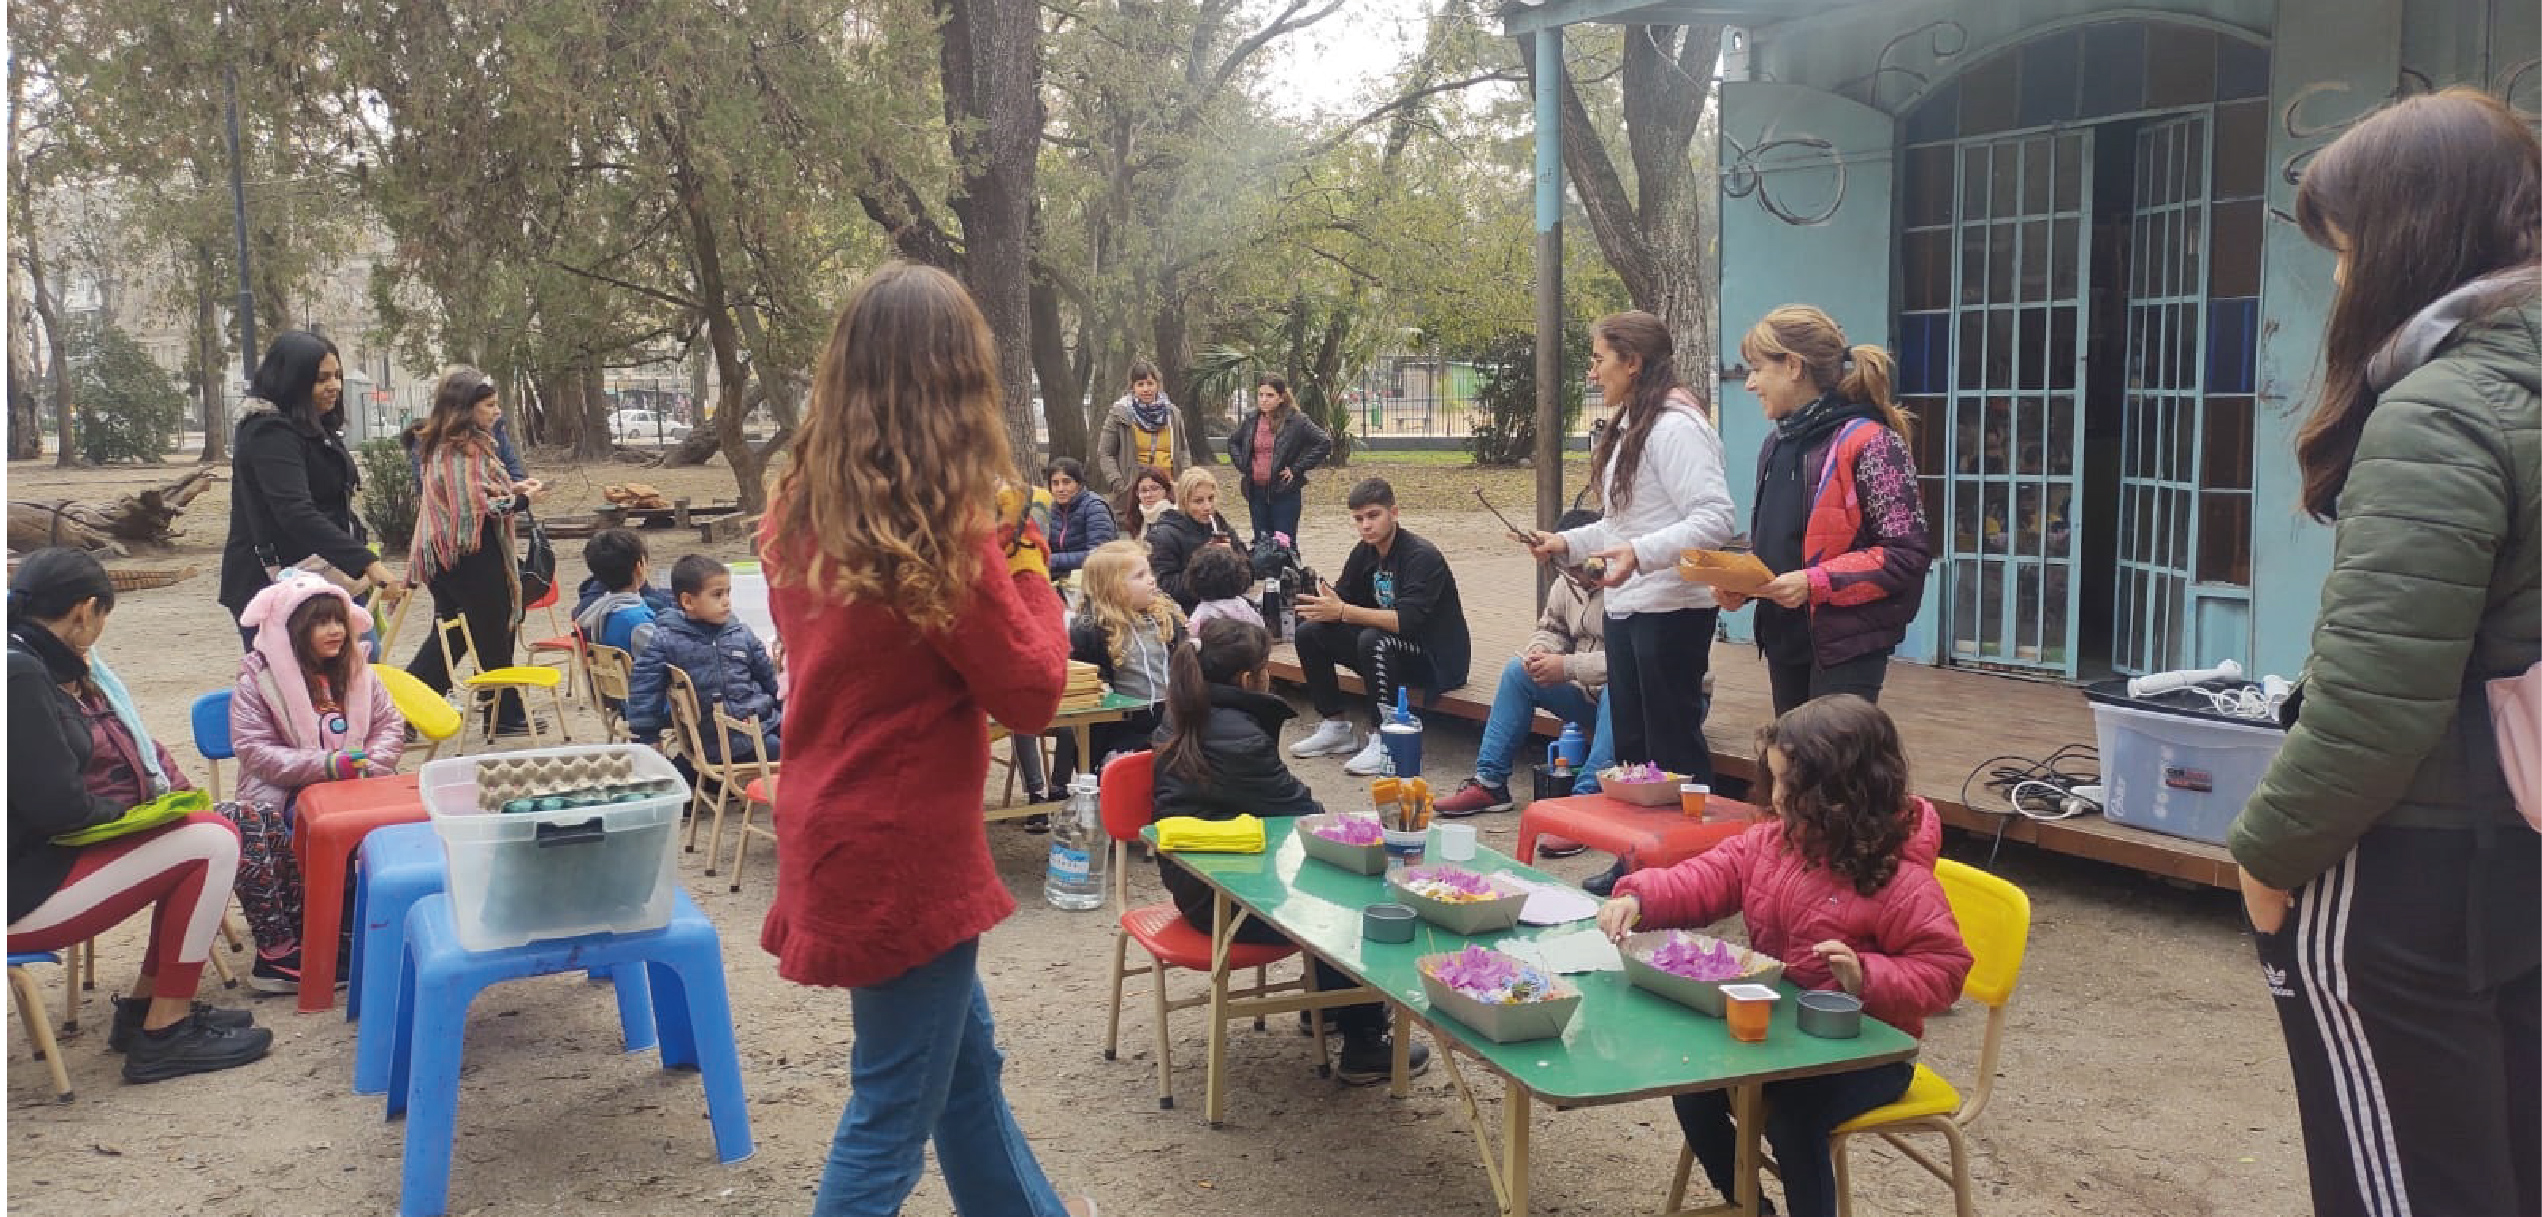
(1515, 1119)
(1223, 916)
(1087, 761)
(1747, 1107)
(1402, 1086)
(322, 868)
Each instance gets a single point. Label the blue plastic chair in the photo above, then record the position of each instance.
(402, 864)
(39, 1027)
(210, 714)
(440, 978)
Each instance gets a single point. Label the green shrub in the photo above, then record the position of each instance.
(1505, 405)
(389, 494)
(129, 408)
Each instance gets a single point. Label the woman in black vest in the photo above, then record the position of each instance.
(291, 480)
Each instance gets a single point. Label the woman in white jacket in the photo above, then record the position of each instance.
(1658, 471)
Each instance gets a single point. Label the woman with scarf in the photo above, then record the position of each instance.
(1143, 430)
(464, 533)
(79, 760)
(1837, 517)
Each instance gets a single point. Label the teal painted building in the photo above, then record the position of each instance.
(2072, 223)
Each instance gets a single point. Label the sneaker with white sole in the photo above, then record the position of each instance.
(1370, 762)
(1332, 737)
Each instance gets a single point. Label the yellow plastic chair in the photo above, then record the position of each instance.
(429, 713)
(1994, 920)
(485, 688)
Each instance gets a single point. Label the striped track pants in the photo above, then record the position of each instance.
(2413, 1018)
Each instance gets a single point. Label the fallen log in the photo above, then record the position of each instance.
(147, 516)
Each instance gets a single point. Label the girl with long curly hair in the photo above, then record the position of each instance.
(1128, 630)
(913, 596)
(1839, 886)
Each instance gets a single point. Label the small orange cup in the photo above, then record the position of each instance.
(1691, 797)
(1751, 1010)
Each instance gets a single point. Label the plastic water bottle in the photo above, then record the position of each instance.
(1077, 848)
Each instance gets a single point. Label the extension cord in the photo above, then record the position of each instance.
(2083, 799)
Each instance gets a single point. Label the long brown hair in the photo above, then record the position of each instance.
(454, 409)
(1620, 446)
(1805, 332)
(1126, 512)
(2426, 195)
(1288, 401)
(1842, 793)
(890, 486)
(1229, 650)
(327, 679)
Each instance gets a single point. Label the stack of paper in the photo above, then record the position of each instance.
(1083, 690)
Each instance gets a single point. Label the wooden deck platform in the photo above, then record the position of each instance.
(1952, 721)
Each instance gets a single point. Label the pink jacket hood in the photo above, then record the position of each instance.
(269, 614)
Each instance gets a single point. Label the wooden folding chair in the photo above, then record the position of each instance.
(758, 779)
(611, 674)
(720, 779)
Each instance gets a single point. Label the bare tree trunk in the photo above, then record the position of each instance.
(991, 60)
(723, 336)
(592, 402)
(57, 352)
(209, 356)
(1172, 330)
(26, 414)
(1656, 236)
(1063, 384)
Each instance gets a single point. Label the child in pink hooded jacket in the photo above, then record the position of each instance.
(306, 709)
(1840, 887)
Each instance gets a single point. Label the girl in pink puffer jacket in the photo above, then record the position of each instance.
(306, 709)
(1840, 887)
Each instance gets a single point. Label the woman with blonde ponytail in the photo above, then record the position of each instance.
(1837, 516)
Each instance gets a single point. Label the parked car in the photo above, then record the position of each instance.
(646, 427)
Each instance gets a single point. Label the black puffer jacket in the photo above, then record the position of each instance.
(49, 751)
(1246, 776)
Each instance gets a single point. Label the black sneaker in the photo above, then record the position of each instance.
(194, 1046)
(275, 975)
(129, 1011)
(1603, 882)
(1368, 1059)
(1037, 824)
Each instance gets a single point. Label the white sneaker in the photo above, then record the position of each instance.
(1332, 737)
(1370, 762)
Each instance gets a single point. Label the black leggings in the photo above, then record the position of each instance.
(1655, 665)
(480, 586)
(1795, 683)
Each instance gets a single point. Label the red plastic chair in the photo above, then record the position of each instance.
(1129, 804)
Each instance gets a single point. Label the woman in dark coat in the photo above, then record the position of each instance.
(291, 480)
(1273, 449)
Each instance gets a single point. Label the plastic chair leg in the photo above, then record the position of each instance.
(635, 1005)
(431, 1088)
(696, 1019)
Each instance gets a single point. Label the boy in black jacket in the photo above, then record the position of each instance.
(1395, 619)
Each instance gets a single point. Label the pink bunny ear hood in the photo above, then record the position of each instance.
(269, 614)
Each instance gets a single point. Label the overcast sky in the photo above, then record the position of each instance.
(1330, 64)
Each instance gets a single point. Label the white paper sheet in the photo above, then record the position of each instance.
(1567, 954)
(1555, 904)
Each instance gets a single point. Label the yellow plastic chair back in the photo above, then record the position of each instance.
(1994, 920)
(429, 713)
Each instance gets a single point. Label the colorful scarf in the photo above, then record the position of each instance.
(461, 479)
(1151, 417)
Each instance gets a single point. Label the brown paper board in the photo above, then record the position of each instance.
(1703, 996)
(1510, 1024)
(1357, 859)
(1723, 569)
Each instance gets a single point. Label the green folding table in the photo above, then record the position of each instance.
(1623, 1044)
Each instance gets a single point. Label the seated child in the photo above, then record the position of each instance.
(1128, 631)
(306, 710)
(1840, 887)
(618, 604)
(1219, 577)
(1218, 757)
(722, 658)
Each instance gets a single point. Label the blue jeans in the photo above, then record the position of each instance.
(1514, 710)
(1275, 510)
(925, 1064)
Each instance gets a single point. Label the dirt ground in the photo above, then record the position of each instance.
(2143, 1073)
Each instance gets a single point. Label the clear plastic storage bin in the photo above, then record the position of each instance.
(2178, 774)
(518, 877)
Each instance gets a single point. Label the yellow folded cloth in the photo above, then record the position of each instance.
(1193, 835)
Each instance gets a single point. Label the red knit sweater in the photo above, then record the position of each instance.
(882, 854)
